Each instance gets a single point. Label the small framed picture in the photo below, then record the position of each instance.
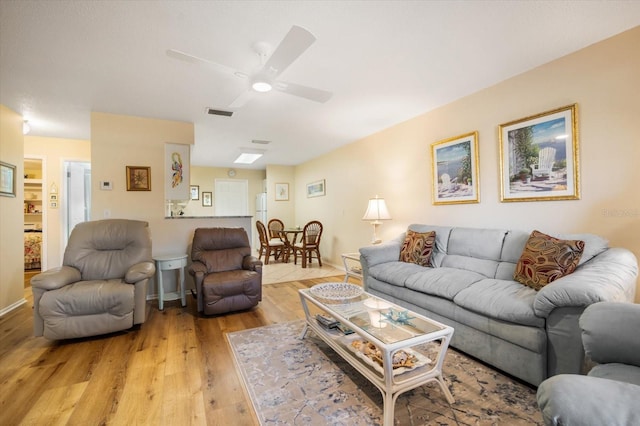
(282, 192)
(207, 199)
(7, 179)
(195, 192)
(138, 178)
(316, 189)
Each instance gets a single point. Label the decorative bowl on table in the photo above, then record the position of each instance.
(336, 291)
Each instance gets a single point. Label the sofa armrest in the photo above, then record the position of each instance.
(610, 276)
(571, 399)
(139, 272)
(252, 263)
(609, 332)
(56, 278)
(196, 267)
(381, 253)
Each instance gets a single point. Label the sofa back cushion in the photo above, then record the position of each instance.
(106, 249)
(220, 249)
(475, 249)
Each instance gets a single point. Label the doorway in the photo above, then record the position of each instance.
(77, 193)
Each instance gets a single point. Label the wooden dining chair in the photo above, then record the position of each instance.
(269, 246)
(309, 244)
(275, 227)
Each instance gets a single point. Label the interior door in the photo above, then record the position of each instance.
(78, 194)
(231, 197)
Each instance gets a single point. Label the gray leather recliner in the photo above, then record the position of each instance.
(101, 286)
(609, 394)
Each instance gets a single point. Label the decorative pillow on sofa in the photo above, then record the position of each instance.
(545, 259)
(417, 247)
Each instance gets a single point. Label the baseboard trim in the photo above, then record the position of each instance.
(13, 306)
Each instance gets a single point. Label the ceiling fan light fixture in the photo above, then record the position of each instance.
(261, 86)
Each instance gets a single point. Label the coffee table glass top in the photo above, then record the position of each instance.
(384, 320)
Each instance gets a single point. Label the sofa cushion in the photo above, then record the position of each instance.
(506, 300)
(545, 259)
(442, 240)
(417, 247)
(442, 282)
(396, 273)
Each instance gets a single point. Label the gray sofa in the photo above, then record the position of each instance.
(529, 334)
(610, 393)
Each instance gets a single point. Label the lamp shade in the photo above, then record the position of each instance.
(377, 210)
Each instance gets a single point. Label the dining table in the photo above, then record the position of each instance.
(290, 242)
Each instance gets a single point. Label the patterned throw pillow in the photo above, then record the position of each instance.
(417, 247)
(545, 259)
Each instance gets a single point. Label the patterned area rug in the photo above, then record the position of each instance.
(304, 382)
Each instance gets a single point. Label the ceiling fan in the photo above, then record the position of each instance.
(264, 79)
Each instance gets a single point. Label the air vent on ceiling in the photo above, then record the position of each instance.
(259, 142)
(219, 112)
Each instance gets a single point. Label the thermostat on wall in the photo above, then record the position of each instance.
(106, 185)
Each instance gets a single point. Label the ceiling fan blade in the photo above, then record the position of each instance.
(177, 54)
(290, 48)
(306, 92)
(242, 99)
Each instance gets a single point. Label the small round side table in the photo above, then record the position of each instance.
(170, 262)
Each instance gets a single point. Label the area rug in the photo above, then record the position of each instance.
(293, 381)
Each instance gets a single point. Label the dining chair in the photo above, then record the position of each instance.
(309, 244)
(276, 230)
(269, 246)
(275, 227)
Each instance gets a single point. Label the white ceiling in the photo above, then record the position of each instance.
(384, 61)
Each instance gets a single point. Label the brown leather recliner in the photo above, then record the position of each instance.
(101, 286)
(228, 278)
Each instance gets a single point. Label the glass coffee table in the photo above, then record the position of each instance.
(388, 344)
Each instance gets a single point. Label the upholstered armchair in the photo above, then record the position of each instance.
(228, 278)
(101, 286)
(609, 394)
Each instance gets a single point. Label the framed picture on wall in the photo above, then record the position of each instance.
(207, 199)
(539, 157)
(282, 192)
(454, 165)
(195, 192)
(138, 178)
(7, 179)
(316, 189)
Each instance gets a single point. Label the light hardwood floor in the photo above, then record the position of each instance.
(175, 369)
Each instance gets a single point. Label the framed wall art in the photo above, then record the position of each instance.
(176, 173)
(539, 157)
(282, 192)
(7, 179)
(207, 199)
(454, 165)
(138, 178)
(194, 192)
(316, 189)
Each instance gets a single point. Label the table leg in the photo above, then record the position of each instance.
(160, 290)
(182, 288)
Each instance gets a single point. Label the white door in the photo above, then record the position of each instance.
(231, 197)
(78, 194)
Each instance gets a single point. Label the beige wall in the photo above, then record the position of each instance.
(54, 152)
(283, 210)
(602, 79)
(11, 218)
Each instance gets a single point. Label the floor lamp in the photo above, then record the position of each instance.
(376, 211)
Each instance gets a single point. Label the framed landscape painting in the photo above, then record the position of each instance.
(316, 189)
(454, 165)
(539, 157)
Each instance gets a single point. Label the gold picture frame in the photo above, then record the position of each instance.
(7, 179)
(138, 178)
(454, 170)
(539, 157)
